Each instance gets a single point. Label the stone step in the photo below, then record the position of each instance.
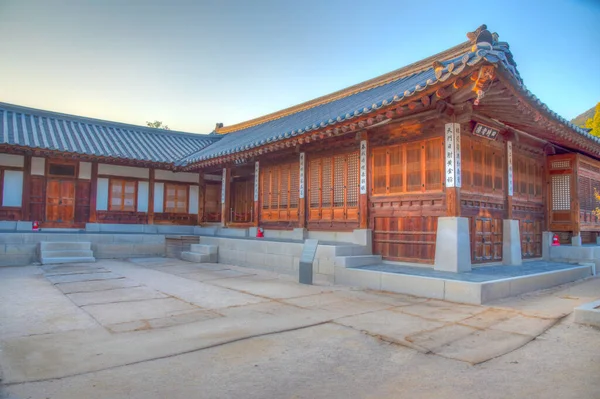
(351, 250)
(198, 258)
(204, 249)
(357, 261)
(81, 259)
(67, 246)
(81, 253)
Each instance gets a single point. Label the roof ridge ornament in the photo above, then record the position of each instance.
(482, 35)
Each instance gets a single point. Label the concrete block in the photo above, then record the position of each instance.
(453, 245)
(357, 278)
(588, 314)
(17, 259)
(576, 241)
(81, 253)
(511, 243)
(153, 239)
(92, 227)
(285, 262)
(363, 237)
(121, 228)
(175, 229)
(546, 244)
(8, 226)
(11, 238)
(68, 246)
(204, 249)
(205, 231)
(412, 285)
(24, 226)
(53, 261)
(326, 251)
(229, 232)
(357, 261)
(197, 258)
(150, 249)
(255, 258)
(495, 290)
(325, 266)
(150, 229)
(131, 238)
(16, 249)
(462, 292)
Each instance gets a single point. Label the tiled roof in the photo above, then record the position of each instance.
(368, 97)
(33, 128)
(358, 103)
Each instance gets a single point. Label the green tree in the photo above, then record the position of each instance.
(157, 125)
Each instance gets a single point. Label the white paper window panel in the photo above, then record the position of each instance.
(159, 189)
(193, 200)
(142, 196)
(38, 166)
(17, 161)
(85, 170)
(125, 171)
(102, 195)
(13, 188)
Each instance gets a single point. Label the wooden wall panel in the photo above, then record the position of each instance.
(82, 201)
(37, 203)
(410, 239)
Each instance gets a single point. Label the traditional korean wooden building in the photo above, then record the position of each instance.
(456, 135)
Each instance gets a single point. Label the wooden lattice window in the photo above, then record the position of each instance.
(280, 186)
(123, 195)
(482, 166)
(411, 167)
(561, 192)
(333, 186)
(176, 198)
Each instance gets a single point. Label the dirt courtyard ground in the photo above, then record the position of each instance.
(156, 328)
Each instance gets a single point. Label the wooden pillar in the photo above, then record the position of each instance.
(25, 207)
(256, 203)
(509, 180)
(575, 203)
(151, 197)
(225, 196)
(93, 192)
(452, 166)
(364, 172)
(302, 191)
(201, 197)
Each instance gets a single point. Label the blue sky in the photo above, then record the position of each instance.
(194, 63)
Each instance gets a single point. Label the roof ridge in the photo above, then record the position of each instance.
(59, 115)
(388, 77)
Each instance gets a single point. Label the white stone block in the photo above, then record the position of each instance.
(453, 245)
(511, 243)
(576, 240)
(412, 285)
(462, 292)
(357, 278)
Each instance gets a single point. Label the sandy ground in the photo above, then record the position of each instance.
(156, 328)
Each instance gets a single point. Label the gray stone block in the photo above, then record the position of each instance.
(52, 261)
(81, 253)
(8, 226)
(24, 226)
(150, 229)
(198, 258)
(413, 285)
(92, 227)
(357, 261)
(204, 249)
(20, 249)
(357, 278)
(65, 246)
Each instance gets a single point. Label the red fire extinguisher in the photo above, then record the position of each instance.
(555, 241)
(36, 226)
(259, 233)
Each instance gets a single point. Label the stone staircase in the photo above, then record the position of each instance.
(65, 252)
(201, 253)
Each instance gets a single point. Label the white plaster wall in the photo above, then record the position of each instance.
(85, 170)
(38, 166)
(159, 189)
(13, 188)
(193, 199)
(142, 200)
(183, 176)
(12, 160)
(125, 171)
(102, 195)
